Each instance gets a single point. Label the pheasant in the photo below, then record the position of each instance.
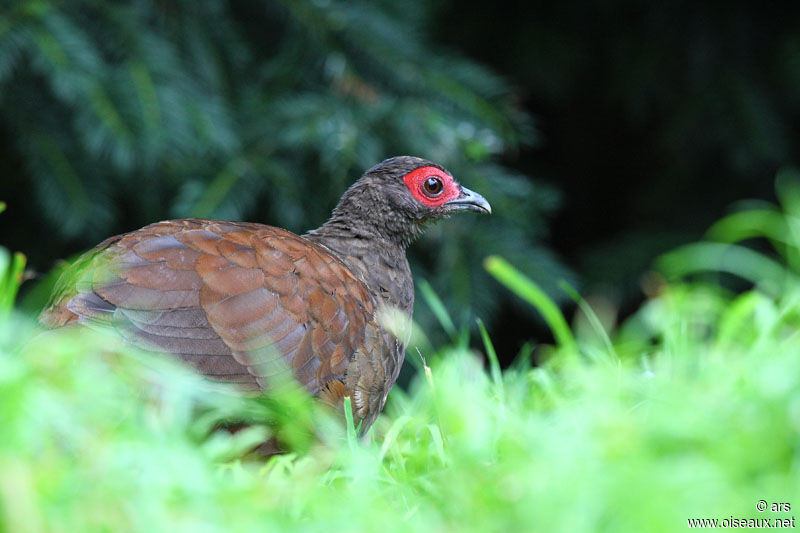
(248, 303)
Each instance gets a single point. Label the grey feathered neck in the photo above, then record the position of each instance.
(371, 227)
(378, 206)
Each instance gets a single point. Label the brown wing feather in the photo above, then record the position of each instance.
(239, 302)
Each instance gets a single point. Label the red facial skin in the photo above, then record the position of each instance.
(415, 181)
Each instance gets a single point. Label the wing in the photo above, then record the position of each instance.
(239, 302)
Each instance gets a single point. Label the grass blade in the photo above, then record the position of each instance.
(717, 257)
(12, 268)
(494, 363)
(439, 310)
(352, 433)
(529, 291)
(591, 316)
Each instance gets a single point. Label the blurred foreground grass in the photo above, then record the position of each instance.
(691, 408)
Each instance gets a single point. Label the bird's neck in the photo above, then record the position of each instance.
(378, 260)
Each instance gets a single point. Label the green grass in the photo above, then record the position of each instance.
(690, 409)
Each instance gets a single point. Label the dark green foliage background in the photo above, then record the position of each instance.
(118, 114)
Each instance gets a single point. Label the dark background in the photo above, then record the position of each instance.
(603, 133)
(654, 118)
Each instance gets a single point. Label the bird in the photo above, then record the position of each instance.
(248, 303)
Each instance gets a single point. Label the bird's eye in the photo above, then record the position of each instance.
(433, 186)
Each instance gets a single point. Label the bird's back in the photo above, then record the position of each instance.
(240, 302)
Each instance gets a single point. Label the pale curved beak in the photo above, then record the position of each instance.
(470, 201)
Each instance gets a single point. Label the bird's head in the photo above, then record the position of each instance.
(397, 197)
(422, 190)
